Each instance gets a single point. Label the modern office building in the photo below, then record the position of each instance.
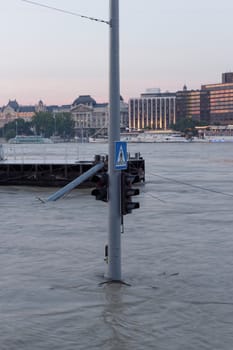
(188, 104)
(217, 101)
(152, 110)
(227, 77)
(212, 104)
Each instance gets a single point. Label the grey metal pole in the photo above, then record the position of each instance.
(114, 233)
(71, 185)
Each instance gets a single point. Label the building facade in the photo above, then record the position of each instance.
(188, 104)
(89, 115)
(152, 110)
(217, 101)
(212, 104)
(13, 110)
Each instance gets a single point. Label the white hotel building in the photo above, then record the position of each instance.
(153, 110)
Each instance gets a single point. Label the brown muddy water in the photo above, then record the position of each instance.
(177, 256)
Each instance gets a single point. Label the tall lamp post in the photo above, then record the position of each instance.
(55, 123)
(114, 233)
(16, 127)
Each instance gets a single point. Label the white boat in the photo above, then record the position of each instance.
(98, 139)
(30, 139)
(145, 137)
(150, 137)
(162, 137)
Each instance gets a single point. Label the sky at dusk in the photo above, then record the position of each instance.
(56, 57)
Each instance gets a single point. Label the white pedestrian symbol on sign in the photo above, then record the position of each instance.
(121, 157)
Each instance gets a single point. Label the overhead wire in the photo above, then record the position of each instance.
(191, 185)
(65, 11)
(109, 23)
(155, 197)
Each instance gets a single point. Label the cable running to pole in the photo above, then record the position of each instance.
(65, 11)
(193, 186)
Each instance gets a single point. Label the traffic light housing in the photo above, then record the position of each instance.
(101, 190)
(127, 192)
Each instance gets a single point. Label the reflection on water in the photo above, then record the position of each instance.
(177, 257)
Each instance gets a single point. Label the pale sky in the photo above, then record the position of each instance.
(163, 44)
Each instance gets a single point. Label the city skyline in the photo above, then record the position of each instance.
(56, 57)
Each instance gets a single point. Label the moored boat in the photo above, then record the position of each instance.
(154, 137)
(98, 139)
(30, 139)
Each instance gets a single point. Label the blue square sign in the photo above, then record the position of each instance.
(120, 155)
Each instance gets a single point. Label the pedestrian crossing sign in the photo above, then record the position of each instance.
(120, 155)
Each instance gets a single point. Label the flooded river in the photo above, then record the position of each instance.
(177, 256)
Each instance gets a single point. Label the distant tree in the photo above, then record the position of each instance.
(9, 134)
(48, 124)
(187, 126)
(43, 124)
(23, 127)
(17, 126)
(64, 125)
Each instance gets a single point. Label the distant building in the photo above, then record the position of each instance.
(13, 110)
(188, 104)
(88, 114)
(26, 112)
(153, 110)
(9, 112)
(217, 101)
(227, 77)
(212, 104)
(40, 107)
(59, 109)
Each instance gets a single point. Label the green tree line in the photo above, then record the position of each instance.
(45, 124)
(187, 126)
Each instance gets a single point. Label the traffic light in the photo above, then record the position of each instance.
(127, 192)
(101, 190)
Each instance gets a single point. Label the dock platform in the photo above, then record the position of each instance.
(59, 174)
